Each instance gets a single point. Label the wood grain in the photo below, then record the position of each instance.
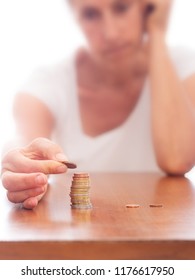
(110, 230)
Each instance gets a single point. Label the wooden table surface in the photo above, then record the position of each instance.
(108, 231)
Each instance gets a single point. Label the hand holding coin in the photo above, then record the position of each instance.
(25, 170)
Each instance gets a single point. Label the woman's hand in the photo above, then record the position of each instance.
(156, 13)
(25, 170)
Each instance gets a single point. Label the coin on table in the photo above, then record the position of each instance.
(156, 205)
(132, 205)
(80, 175)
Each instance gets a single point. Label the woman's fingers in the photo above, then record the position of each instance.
(21, 196)
(24, 171)
(16, 161)
(30, 203)
(22, 181)
(41, 155)
(23, 186)
(43, 148)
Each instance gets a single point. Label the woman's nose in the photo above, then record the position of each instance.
(110, 30)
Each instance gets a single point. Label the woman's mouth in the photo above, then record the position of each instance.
(117, 50)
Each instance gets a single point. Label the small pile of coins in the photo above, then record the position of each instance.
(79, 192)
(137, 205)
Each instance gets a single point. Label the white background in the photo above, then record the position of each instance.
(37, 32)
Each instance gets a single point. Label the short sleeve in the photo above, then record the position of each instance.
(184, 61)
(51, 85)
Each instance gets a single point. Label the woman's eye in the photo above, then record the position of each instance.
(90, 14)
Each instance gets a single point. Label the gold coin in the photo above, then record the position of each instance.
(70, 165)
(80, 198)
(81, 207)
(132, 206)
(80, 201)
(80, 188)
(80, 191)
(81, 175)
(83, 181)
(78, 195)
(156, 205)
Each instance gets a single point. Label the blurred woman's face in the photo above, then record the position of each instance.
(113, 28)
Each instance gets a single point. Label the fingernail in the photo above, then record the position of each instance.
(61, 157)
(61, 169)
(40, 179)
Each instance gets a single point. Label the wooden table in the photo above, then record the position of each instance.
(109, 231)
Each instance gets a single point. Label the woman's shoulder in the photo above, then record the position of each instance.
(53, 77)
(52, 84)
(60, 69)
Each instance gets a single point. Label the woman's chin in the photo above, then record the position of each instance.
(116, 63)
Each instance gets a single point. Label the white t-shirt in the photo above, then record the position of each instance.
(126, 148)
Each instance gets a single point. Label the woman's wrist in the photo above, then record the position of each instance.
(157, 43)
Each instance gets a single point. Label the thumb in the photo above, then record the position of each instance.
(45, 149)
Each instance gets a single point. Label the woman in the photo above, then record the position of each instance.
(123, 104)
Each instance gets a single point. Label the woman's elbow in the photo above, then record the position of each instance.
(175, 167)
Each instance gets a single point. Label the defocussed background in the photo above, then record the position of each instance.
(39, 32)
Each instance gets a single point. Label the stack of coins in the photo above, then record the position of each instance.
(80, 191)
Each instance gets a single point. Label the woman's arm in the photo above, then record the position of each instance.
(172, 102)
(33, 118)
(25, 168)
(173, 111)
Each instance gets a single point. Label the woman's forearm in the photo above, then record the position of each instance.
(173, 116)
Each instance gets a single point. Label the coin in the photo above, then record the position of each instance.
(89, 206)
(70, 165)
(132, 206)
(81, 180)
(81, 175)
(79, 191)
(80, 185)
(156, 205)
